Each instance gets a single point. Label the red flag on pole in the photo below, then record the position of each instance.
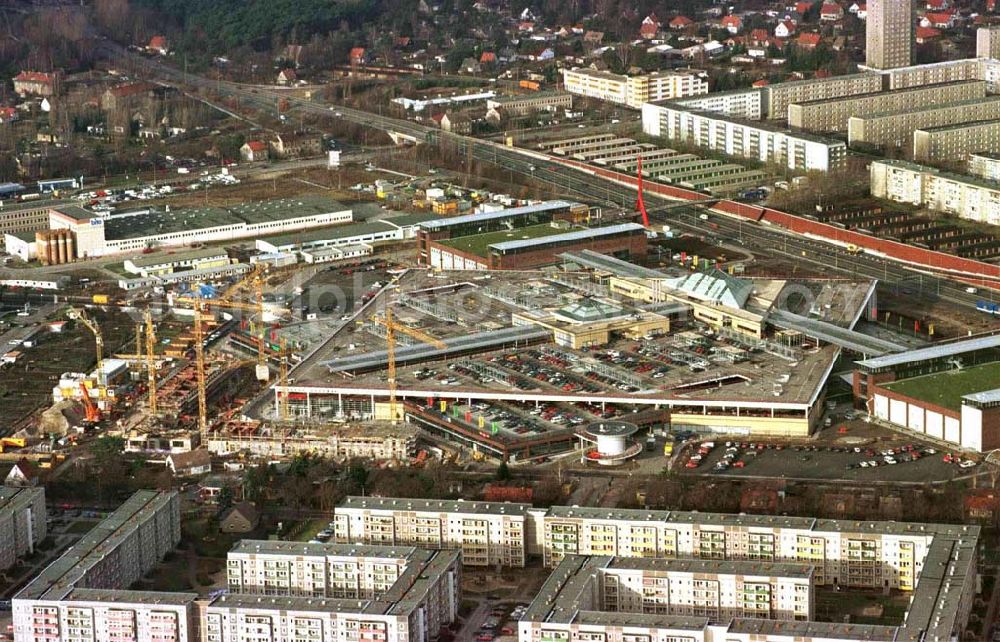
(641, 204)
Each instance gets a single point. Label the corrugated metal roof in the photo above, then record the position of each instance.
(932, 352)
(487, 216)
(986, 396)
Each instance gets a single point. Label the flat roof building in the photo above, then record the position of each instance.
(964, 196)
(934, 562)
(277, 591)
(832, 114)
(633, 91)
(134, 231)
(988, 42)
(712, 576)
(984, 165)
(779, 96)
(158, 264)
(379, 593)
(28, 216)
(716, 590)
(525, 104)
(954, 143)
(756, 140)
(488, 534)
(22, 523)
(941, 72)
(922, 390)
(84, 591)
(895, 128)
(890, 33)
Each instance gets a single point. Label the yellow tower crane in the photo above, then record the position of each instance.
(151, 358)
(255, 280)
(145, 335)
(391, 328)
(200, 307)
(77, 314)
(283, 410)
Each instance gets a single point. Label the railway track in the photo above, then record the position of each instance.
(571, 182)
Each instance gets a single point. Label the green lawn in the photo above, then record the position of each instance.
(477, 243)
(946, 388)
(310, 529)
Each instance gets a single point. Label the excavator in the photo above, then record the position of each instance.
(93, 415)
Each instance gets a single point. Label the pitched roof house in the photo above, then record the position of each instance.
(831, 12)
(732, 24)
(190, 463)
(241, 518)
(158, 44)
(23, 474)
(681, 22)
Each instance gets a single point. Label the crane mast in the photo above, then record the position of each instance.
(150, 359)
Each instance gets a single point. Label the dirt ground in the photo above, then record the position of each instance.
(27, 385)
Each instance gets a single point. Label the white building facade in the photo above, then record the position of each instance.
(963, 196)
(744, 139)
(488, 534)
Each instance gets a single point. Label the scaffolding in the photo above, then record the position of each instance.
(586, 287)
(488, 370)
(781, 349)
(515, 297)
(438, 310)
(606, 370)
(380, 331)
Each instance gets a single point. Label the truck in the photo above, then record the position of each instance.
(100, 299)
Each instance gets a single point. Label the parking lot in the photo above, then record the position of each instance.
(889, 459)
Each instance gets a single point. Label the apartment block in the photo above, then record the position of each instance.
(633, 91)
(895, 129)
(890, 33)
(290, 591)
(745, 139)
(718, 591)
(984, 166)
(81, 595)
(746, 104)
(314, 570)
(278, 591)
(487, 533)
(632, 533)
(988, 42)
(779, 96)
(954, 143)
(754, 577)
(964, 196)
(22, 523)
(934, 73)
(98, 614)
(831, 115)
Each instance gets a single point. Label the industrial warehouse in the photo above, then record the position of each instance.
(517, 364)
(77, 233)
(948, 392)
